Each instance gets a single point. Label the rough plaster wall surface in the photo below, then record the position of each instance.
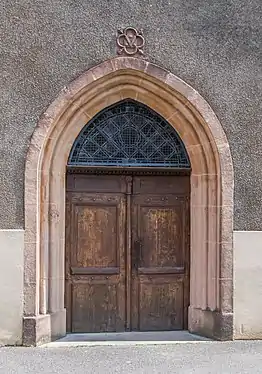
(248, 284)
(11, 282)
(212, 45)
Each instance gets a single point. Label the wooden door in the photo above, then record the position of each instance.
(127, 253)
(95, 253)
(160, 239)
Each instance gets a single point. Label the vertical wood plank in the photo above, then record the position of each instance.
(133, 270)
(68, 281)
(128, 252)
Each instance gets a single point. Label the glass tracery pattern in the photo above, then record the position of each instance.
(129, 134)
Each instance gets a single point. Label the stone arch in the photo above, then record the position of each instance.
(211, 283)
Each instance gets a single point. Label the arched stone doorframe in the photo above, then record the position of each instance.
(211, 272)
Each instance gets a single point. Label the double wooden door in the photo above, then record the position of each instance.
(127, 253)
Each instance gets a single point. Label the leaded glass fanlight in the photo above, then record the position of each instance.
(128, 134)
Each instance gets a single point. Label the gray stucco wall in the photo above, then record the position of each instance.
(212, 44)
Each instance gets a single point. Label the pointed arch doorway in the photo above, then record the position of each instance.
(127, 224)
(210, 311)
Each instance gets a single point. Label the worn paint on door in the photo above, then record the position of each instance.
(109, 286)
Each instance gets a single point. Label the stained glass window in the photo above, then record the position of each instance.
(129, 134)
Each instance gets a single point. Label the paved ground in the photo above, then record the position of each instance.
(182, 357)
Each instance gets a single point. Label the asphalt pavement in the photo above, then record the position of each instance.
(182, 357)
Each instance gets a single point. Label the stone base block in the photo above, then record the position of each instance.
(58, 324)
(211, 324)
(43, 329)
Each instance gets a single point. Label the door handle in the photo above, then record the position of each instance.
(137, 254)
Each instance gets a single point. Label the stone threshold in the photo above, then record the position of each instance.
(126, 338)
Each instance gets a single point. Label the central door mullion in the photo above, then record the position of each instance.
(129, 181)
(135, 263)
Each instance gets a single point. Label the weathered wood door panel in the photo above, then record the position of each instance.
(96, 255)
(160, 250)
(127, 264)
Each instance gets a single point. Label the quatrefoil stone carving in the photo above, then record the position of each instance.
(130, 41)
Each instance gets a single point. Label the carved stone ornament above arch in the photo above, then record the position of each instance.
(211, 274)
